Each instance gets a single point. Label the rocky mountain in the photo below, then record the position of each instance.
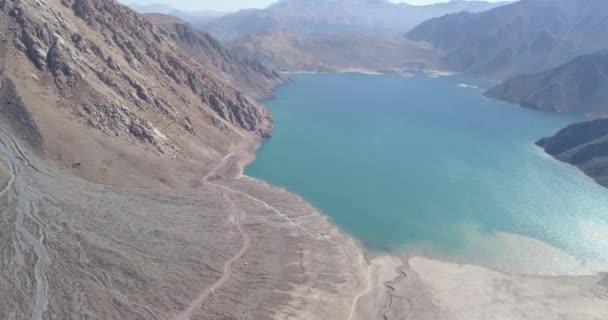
(527, 36)
(584, 145)
(579, 86)
(96, 70)
(121, 147)
(290, 52)
(334, 16)
(246, 74)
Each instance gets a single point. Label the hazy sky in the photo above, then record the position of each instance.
(232, 5)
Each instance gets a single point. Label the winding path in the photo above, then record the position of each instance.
(238, 216)
(227, 268)
(269, 207)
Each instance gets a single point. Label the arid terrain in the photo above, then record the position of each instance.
(231, 248)
(73, 249)
(121, 193)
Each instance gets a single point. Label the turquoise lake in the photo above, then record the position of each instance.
(423, 165)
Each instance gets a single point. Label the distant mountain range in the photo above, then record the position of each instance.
(334, 16)
(523, 37)
(190, 16)
(287, 51)
(152, 8)
(553, 55)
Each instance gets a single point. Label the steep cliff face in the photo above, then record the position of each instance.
(97, 63)
(584, 145)
(256, 79)
(579, 86)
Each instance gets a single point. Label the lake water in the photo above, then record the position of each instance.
(430, 166)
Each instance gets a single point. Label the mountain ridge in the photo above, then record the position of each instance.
(119, 80)
(322, 16)
(254, 78)
(523, 37)
(578, 86)
(197, 16)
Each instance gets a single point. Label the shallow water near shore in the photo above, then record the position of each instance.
(430, 166)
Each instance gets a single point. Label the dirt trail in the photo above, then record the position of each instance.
(219, 172)
(238, 216)
(268, 206)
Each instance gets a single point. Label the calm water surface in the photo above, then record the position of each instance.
(428, 166)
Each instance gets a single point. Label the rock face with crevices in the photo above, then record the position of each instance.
(111, 69)
(250, 75)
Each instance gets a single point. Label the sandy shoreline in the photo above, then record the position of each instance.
(401, 73)
(393, 287)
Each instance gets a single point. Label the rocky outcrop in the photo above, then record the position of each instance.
(126, 77)
(584, 145)
(254, 78)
